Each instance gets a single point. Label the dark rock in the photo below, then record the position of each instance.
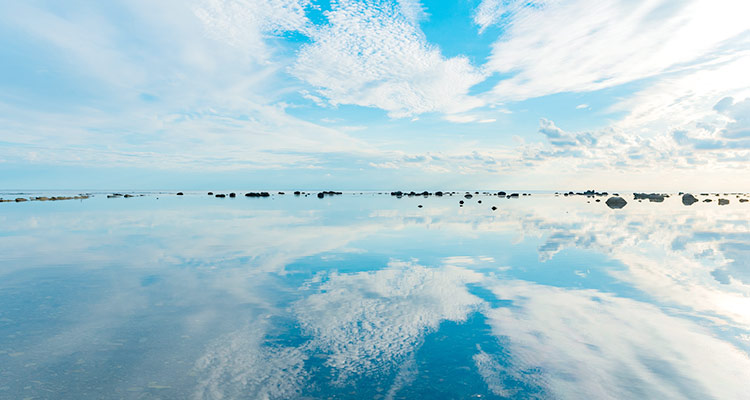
(501, 194)
(723, 202)
(210, 193)
(468, 196)
(707, 200)
(221, 196)
(494, 208)
(297, 193)
(744, 200)
(21, 199)
(281, 193)
(127, 196)
(688, 199)
(513, 196)
(479, 201)
(652, 197)
(420, 206)
(232, 194)
(616, 202)
(598, 200)
(179, 193)
(321, 195)
(439, 193)
(460, 202)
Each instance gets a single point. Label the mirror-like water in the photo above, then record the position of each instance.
(369, 296)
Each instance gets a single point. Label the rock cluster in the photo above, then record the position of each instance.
(652, 197)
(328, 193)
(257, 194)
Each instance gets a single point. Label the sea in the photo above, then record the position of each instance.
(368, 295)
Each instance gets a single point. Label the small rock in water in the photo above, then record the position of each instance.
(232, 194)
(652, 197)
(744, 200)
(321, 195)
(179, 193)
(494, 208)
(210, 193)
(221, 196)
(688, 199)
(460, 202)
(420, 206)
(723, 202)
(479, 201)
(616, 202)
(707, 200)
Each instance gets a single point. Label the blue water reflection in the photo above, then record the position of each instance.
(368, 296)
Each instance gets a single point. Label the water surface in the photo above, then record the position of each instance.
(369, 296)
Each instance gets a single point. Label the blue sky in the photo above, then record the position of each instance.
(545, 94)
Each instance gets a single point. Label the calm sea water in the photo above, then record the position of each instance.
(368, 296)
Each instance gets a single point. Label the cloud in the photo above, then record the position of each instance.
(558, 137)
(590, 344)
(241, 364)
(555, 46)
(370, 322)
(373, 54)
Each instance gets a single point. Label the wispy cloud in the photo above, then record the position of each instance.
(585, 45)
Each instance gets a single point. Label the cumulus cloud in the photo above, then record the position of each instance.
(558, 137)
(373, 54)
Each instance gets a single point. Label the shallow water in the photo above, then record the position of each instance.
(369, 296)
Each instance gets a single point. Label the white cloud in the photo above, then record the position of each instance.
(590, 344)
(372, 321)
(585, 45)
(240, 364)
(371, 54)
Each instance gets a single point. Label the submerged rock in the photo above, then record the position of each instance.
(616, 202)
(688, 199)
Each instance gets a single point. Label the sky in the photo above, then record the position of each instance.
(375, 95)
